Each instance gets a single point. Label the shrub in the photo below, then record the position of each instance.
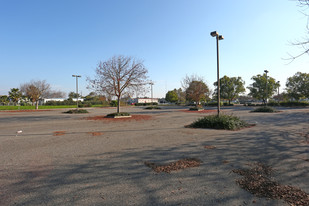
(294, 104)
(273, 104)
(113, 103)
(213, 104)
(227, 122)
(227, 104)
(76, 111)
(85, 105)
(145, 104)
(153, 107)
(265, 109)
(120, 114)
(196, 108)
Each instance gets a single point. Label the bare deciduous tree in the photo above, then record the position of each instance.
(304, 43)
(35, 90)
(117, 76)
(186, 81)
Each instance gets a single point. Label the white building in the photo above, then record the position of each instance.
(143, 100)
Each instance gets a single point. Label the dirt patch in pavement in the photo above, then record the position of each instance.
(200, 112)
(258, 181)
(95, 133)
(58, 133)
(174, 166)
(132, 118)
(209, 147)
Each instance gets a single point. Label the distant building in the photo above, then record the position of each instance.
(143, 100)
(43, 101)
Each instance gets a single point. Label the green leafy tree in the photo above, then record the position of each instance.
(258, 89)
(15, 95)
(297, 86)
(171, 96)
(73, 95)
(196, 91)
(181, 95)
(4, 99)
(36, 90)
(230, 87)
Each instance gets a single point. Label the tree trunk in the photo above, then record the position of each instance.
(229, 102)
(118, 104)
(37, 105)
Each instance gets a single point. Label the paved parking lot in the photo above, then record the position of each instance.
(65, 159)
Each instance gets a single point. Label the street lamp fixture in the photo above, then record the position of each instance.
(76, 76)
(266, 71)
(218, 37)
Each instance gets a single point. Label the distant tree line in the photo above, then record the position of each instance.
(196, 91)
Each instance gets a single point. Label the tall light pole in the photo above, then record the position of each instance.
(76, 76)
(266, 87)
(218, 37)
(278, 82)
(151, 84)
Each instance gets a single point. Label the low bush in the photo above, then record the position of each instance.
(152, 107)
(227, 122)
(76, 111)
(120, 114)
(273, 104)
(145, 104)
(196, 108)
(294, 104)
(227, 104)
(265, 109)
(213, 104)
(85, 105)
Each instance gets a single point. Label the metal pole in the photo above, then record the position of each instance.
(151, 95)
(218, 78)
(278, 91)
(266, 88)
(76, 92)
(76, 76)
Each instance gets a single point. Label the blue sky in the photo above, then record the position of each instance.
(51, 40)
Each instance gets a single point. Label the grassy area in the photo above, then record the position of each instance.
(33, 107)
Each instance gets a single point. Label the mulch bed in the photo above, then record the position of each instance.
(209, 147)
(257, 180)
(200, 112)
(95, 133)
(58, 133)
(107, 119)
(174, 166)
